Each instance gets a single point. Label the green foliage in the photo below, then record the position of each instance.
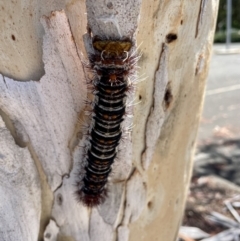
(220, 35)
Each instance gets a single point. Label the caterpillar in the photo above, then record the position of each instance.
(112, 63)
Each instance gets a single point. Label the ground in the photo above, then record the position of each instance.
(214, 189)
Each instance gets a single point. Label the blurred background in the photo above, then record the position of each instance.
(221, 114)
(212, 210)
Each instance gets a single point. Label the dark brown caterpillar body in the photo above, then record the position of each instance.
(112, 64)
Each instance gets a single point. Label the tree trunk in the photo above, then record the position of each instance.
(41, 138)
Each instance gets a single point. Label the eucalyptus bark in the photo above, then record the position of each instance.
(42, 96)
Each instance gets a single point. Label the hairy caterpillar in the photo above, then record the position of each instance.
(112, 62)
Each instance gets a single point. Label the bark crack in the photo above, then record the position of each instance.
(155, 117)
(202, 10)
(13, 131)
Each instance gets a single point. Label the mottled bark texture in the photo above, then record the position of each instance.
(42, 98)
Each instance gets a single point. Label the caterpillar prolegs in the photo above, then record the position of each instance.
(113, 63)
